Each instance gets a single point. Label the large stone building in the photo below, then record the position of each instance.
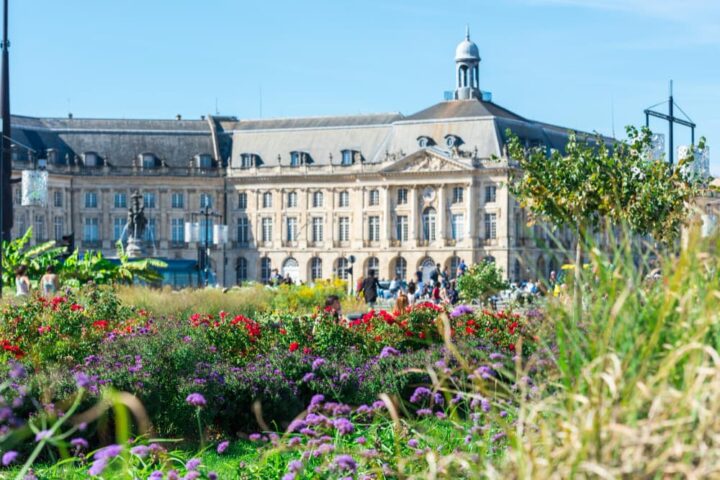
(399, 193)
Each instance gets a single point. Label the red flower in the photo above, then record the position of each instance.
(511, 347)
(421, 335)
(283, 331)
(75, 307)
(469, 330)
(222, 315)
(306, 350)
(101, 324)
(294, 346)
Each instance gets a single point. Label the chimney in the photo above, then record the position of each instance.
(70, 115)
(178, 117)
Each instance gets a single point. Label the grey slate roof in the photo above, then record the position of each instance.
(118, 141)
(319, 122)
(463, 109)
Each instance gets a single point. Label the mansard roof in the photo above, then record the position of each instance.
(455, 109)
(361, 120)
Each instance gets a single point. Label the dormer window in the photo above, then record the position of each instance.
(350, 157)
(91, 159)
(249, 160)
(453, 141)
(15, 153)
(298, 158)
(148, 161)
(425, 141)
(52, 156)
(204, 161)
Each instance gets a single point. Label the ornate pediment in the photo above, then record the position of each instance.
(425, 161)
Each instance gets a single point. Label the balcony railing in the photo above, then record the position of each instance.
(125, 171)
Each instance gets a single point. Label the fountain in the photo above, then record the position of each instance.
(136, 225)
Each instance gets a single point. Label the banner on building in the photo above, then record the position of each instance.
(34, 188)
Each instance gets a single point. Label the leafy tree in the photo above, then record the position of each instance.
(481, 281)
(593, 181)
(37, 258)
(92, 266)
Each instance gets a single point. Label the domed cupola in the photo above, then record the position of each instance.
(467, 66)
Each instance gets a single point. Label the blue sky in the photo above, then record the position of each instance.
(568, 62)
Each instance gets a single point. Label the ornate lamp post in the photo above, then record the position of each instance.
(193, 234)
(6, 207)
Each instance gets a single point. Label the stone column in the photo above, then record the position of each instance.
(471, 213)
(414, 219)
(386, 219)
(441, 226)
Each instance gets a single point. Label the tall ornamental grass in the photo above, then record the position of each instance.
(633, 386)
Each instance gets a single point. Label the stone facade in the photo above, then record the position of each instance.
(399, 193)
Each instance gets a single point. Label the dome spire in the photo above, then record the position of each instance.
(467, 66)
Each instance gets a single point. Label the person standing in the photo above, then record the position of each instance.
(369, 289)
(22, 282)
(411, 289)
(435, 274)
(49, 282)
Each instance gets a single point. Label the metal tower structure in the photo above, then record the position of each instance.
(672, 120)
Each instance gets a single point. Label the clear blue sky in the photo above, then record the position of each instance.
(567, 62)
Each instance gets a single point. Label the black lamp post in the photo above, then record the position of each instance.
(205, 213)
(6, 206)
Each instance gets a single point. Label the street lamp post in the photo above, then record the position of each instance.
(192, 233)
(6, 207)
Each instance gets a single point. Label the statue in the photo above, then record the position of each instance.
(136, 224)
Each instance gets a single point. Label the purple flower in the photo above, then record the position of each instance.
(289, 476)
(343, 426)
(255, 437)
(106, 453)
(294, 441)
(308, 377)
(319, 362)
(222, 447)
(498, 436)
(173, 475)
(156, 475)
(192, 464)
(212, 476)
(438, 399)
(79, 443)
(441, 415)
(191, 475)
(388, 352)
(196, 400)
(503, 414)
(419, 394)
(461, 310)
(98, 467)
(9, 457)
(360, 440)
(140, 451)
(496, 356)
(345, 462)
(43, 435)
(295, 466)
(424, 412)
(316, 400)
(413, 443)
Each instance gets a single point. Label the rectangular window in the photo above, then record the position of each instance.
(178, 200)
(39, 229)
(90, 200)
(118, 227)
(457, 225)
(120, 200)
(59, 226)
(206, 231)
(490, 226)
(58, 198)
(292, 199)
(374, 197)
(91, 229)
(490, 193)
(267, 200)
(458, 194)
(317, 229)
(206, 200)
(402, 228)
(267, 230)
(177, 230)
(374, 229)
(402, 196)
(243, 231)
(150, 235)
(344, 229)
(347, 157)
(242, 201)
(149, 199)
(291, 229)
(344, 200)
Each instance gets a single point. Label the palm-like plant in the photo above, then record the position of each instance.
(144, 269)
(37, 258)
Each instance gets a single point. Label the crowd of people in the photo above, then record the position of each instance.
(439, 287)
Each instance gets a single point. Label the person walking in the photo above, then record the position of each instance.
(49, 282)
(435, 274)
(369, 289)
(22, 282)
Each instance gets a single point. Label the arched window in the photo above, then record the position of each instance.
(267, 200)
(374, 197)
(315, 268)
(401, 268)
(317, 199)
(341, 266)
(429, 221)
(265, 269)
(292, 199)
(373, 265)
(344, 199)
(291, 268)
(426, 268)
(454, 264)
(241, 269)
